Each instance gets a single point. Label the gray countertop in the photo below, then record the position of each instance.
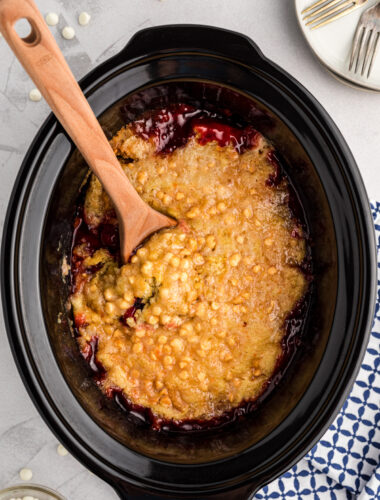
(25, 441)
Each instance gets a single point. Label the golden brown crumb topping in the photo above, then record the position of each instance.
(212, 293)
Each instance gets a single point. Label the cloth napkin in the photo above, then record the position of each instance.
(345, 463)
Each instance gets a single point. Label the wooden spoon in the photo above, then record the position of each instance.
(45, 64)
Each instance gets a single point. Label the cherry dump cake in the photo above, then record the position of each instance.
(195, 324)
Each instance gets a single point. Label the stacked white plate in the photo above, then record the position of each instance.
(332, 45)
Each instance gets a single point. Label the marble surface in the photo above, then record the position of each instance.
(24, 438)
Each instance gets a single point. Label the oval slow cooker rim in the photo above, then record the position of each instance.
(51, 124)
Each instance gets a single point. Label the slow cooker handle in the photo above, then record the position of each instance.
(196, 38)
(131, 492)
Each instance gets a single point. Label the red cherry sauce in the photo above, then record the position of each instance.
(240, 139)
(131, 311)
(171, 128)
(109, 236)
(136, 413)
(293, 324)
(90, 238)
(89, 354)
(80, 320)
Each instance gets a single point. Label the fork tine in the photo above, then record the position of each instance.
(368, 52)
(322, 9)
(330, 12)
(313, 6)
(337, 16)
(374, 53)
(356, 44)
(361, 49)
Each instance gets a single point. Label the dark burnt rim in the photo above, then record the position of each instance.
(10, 292)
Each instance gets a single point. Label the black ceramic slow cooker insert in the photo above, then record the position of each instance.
(217, 68)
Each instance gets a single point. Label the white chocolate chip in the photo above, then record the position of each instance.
(84, 18)
(61, 450)
(35, 95)
(26, 474)
(68, 32)
(52, 18)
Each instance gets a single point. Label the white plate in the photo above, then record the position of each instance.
(332, 45)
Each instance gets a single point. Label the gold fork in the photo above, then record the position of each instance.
(365, 44)
(323, 12)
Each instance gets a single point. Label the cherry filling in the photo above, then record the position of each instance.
(109, 236)
(172, 128)
(241, 139)
(293, 326)
(80, 320)
(89, 354)
(131, 311)
(90, 238)
(139, 414)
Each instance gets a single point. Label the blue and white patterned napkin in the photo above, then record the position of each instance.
(345, 463)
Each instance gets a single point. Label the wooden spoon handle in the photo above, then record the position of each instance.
(45, 64)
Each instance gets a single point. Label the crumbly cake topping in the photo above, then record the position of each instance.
(192, 326)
